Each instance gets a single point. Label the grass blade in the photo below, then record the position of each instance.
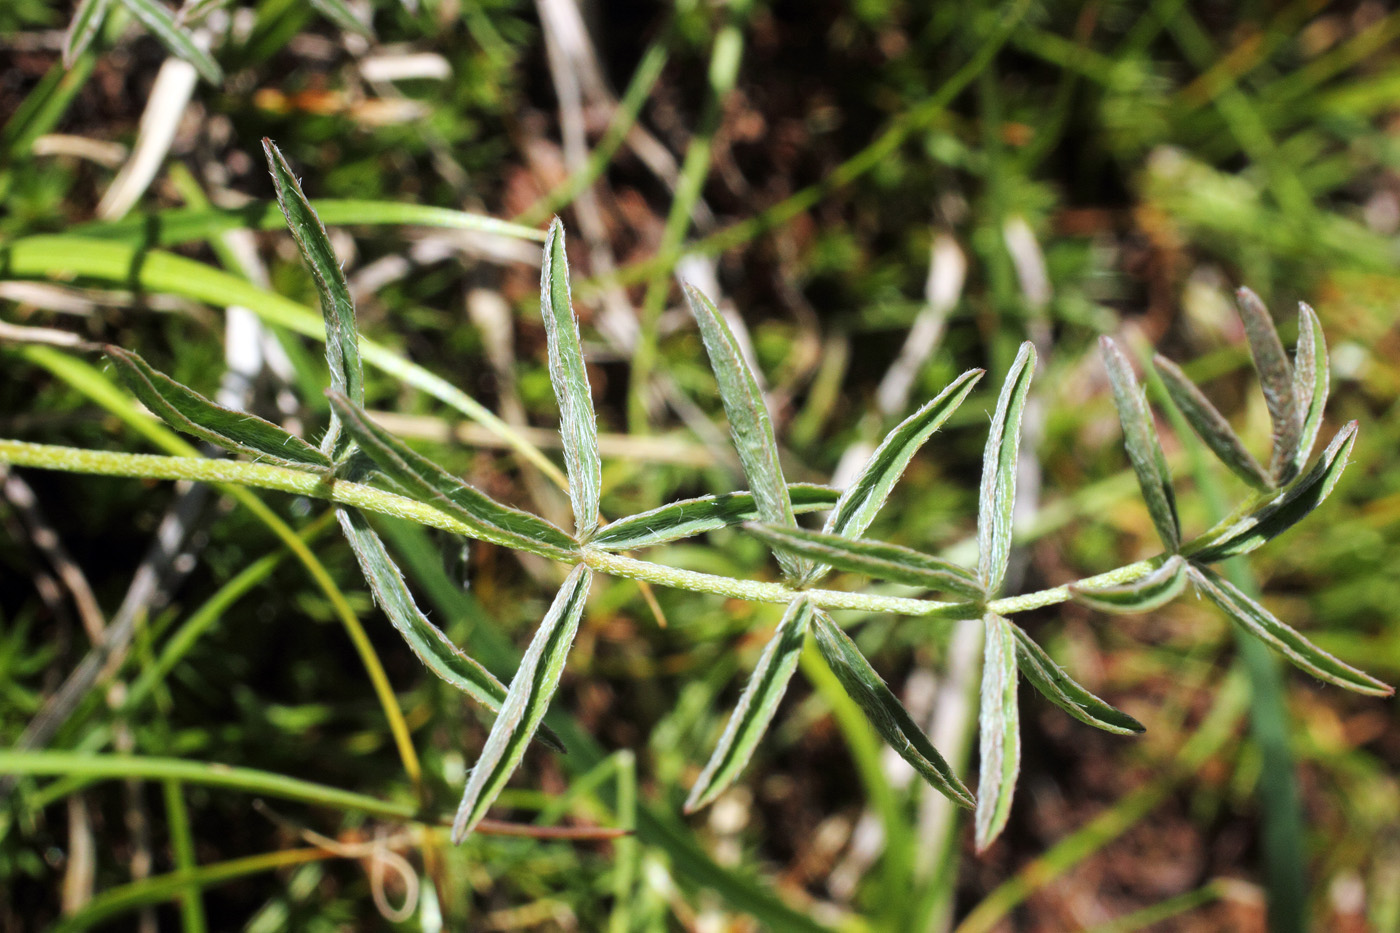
(1255, 620)
(337, 309)
(756, 707)
(161, 22)
(578, 426)
(999, 725)
(997, 495)
(1284, 511)
(748, 421)
(426, 481)
(1144, 448)
(526, 703)
(1062, 690)
(1144, 594)
(433, 648)
(1210, 425)
(1276, 377)
(186, 410)
(689, 517)
(1311, 378)
(877, 559)
(864, 497)
(885, 712)
(337, 12)
(83, 28)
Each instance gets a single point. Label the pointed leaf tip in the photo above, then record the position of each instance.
(997, 495)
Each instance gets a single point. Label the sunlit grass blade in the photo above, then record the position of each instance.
(526, 702)
(1285, 510)
(1144, 448)
(866, 494)
(427, 641)
(337, 308)
(997, 493)
(1311, 378)
(877, 559)
(757, 705)
(161, 22)
(1144, 594)
(1276, 377)
(999, 726)
(689, 517)
(186, 410)
(426, 481)
(1260, 623)
(340, 14)
(578, 425)
(83, 28)
(1210, 425)
(748, 421)
(1062, 690)
(885, 712)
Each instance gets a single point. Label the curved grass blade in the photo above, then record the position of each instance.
(1210, 425)
(1311, 378)
(999, 725)
(689, 517)
(1149, 592)
(748, 421)
(83, 28)
(526, 702)
(1285, 510)
(186, 410)
(578, 426)
(756, 707)
(428, 482)
(161, 22)
(885, 712)
(426, 640)
(864, 497)
(337, 309)
(337, 12)
(997, 496)
(877, 559)
(1062, 690)
(1259, 622)
(1276, 377)
(1144, 449)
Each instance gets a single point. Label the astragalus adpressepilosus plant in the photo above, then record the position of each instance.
(362, 468)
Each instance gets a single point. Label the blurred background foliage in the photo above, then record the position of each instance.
(830, 170)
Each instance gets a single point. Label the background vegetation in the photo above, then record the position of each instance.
(844, 176)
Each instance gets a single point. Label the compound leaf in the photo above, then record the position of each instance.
(757, 705)
(999, 725)
(525, 704)
(186, 410)
(885, 712)
(1062, 690)
(997, 497)
(1144, 449)
(688, 517)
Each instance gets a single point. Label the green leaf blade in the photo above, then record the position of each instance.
(688, 517)
(161, 22)
(1145, 594)
(878, 559)
(749, 421)
(525, 704)
(83, 28)
(1276, 377)
(999, 725)
(1257, 621)
(1311, 380)
(337, 12)
(1062, 690)
(186, 410)
(1143, 447)
(578, 425)
(1285, 510)
(885, 712)
(757, 705)
(997, 495)
(1210, 425)
(430, 483)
